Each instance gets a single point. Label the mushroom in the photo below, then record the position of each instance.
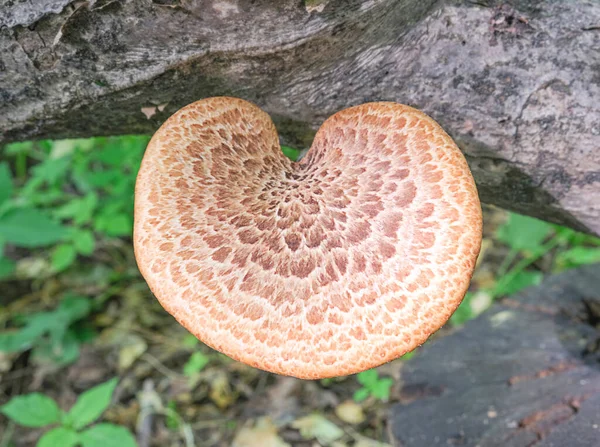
(327, 266)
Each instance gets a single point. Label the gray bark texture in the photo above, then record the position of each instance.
(526, 373)
(517, 86)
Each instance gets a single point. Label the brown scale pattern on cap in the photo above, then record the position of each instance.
(324, 267)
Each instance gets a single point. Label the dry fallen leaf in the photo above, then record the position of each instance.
(132, 346)
(315, 5)
(480, 301)
(316, 426)
(263, 434)
(350, 412)
(149, 111)
(220, 390)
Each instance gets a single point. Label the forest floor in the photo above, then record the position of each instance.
(75, 312)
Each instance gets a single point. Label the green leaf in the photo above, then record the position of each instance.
(111, 155)
(59, 437)
(71, 309)
(290, 152)
(381, 389)
(32, 410)
(409, 354)
(189, 341)
(51, 170)
(18, 148)
(7, 267)
(115, 225)
(464, 312)
(21, 339)
(30, 228)
(368, 377)
(107, 435)
(578, 256)
(56, 352)
(195, 364)
(103, 179)
(361, 394)
(91, 404)
(79, 209)
(6, 183)
(514, 282)
(63, 256)
(172, 418)
(523, 232)
(84, 242)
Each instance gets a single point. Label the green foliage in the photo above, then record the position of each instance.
(171, 419)
(63, 256)
(195, 364)
(7, 267)
(51, 334)
(107, 435)
(523, 232)
(90, 405)
(576, 256)
(59, 436)
(409, 354)
(28, 227)
(6, 183)
(464, 312)
(32, 410)
(77, 192)
(373, 385)
(38, 410)
(516, 280)
(530, 240)
(290, 152)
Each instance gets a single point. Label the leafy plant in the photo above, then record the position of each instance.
(38, 410)
(373, 385)
(77, 191)
(195, 364)
(52, 335)
(529, 240)
(291, 153)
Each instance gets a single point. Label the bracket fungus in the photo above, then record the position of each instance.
(328, 266)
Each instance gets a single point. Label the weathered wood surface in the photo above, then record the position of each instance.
(517, 87)
(525, 373)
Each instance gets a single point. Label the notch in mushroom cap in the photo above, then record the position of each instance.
(328, 266)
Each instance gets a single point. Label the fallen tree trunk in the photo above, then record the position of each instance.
(525, 373)
(517, 88)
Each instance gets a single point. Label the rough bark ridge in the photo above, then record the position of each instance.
(516, 86)
(526, 373)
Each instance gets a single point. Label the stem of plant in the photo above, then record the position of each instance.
(508, 260)
(527, 261)
(21, 165)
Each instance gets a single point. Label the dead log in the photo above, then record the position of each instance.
(525, 373)
(516, 86)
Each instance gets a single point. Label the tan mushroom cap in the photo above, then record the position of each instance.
(328, 266)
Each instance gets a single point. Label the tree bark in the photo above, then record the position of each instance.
(517, 87)
(525, 373)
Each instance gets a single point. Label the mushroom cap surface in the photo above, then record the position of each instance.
(327, 266)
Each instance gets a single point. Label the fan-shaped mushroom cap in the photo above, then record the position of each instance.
(328, 266)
